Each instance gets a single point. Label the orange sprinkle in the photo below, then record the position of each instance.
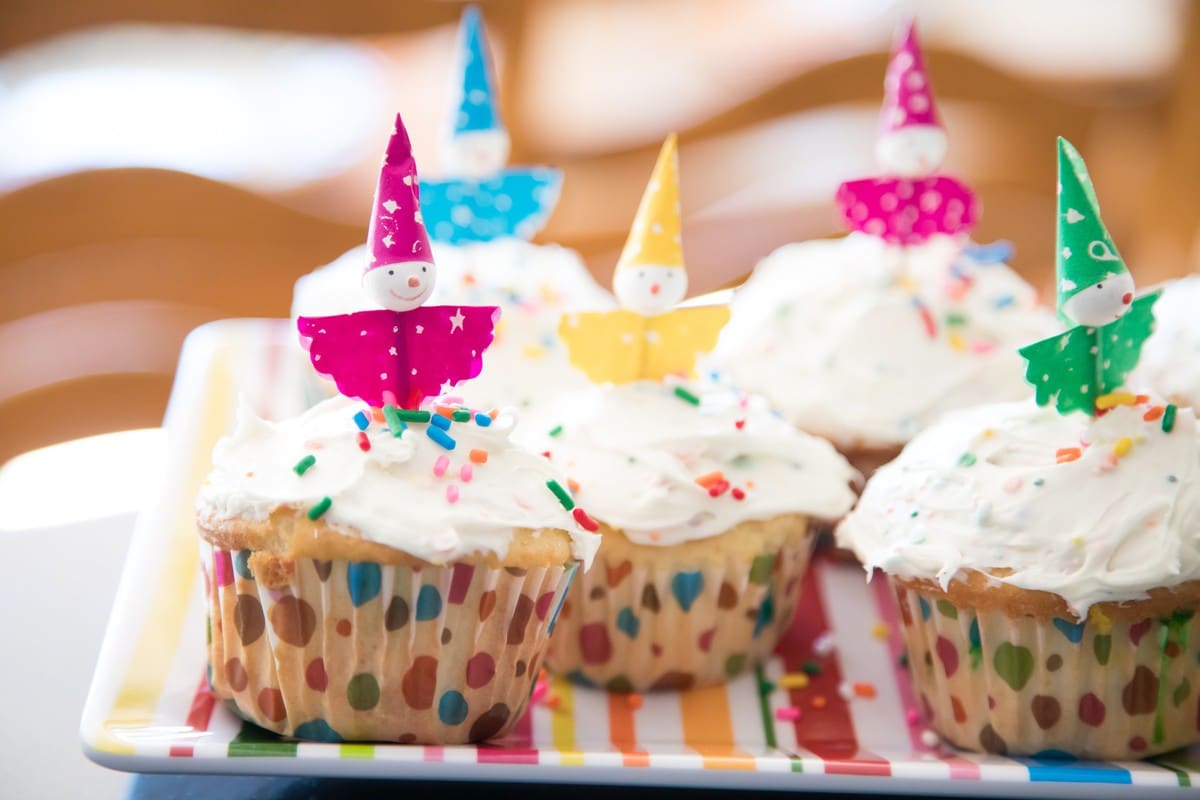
(552, 701)
(478, 456)
(819, 701)
(864, 690)
(1142, 399)
(573, 485)
(655, 536)
(446, 411)
(749, 484)
(1154, 413)
(634, 701)
(377, 414)
(493, 414)
(1066, 454)
(710, 479)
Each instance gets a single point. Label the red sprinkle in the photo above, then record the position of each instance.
(741, 423)
(738, 494)
(364, 443)
(585, 522)
(719, 488)
(545, 454)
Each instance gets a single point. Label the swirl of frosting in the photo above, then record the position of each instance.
(1170, 362)
(848, 345)
(1093, 510)
(534, 285)
(672, 463)
(406, 492)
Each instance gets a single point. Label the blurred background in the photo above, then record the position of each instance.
(168, 162)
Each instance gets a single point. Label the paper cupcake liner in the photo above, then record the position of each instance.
(358, 651)
(637, 623)
(1100, 689)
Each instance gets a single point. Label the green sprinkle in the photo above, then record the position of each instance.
(556, 430)
(562, 494)
(394, 421)
(317, 511)
(303, 464)
(686, 396)
(462, 415)
(956, 318)
(765, 687)
(966, 460)
(1039, 481)
(412, 416)
(811, 668)
(1168, 418)
(914, 514)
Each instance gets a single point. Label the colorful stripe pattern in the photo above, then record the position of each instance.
(150, 698)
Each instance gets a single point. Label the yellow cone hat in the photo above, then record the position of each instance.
(654, 239)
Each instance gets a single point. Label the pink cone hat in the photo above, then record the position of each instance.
(397, 232)
(907, 94)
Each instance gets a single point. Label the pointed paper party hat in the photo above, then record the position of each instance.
(1086, 254)
(654, 239)
(397, 231)
(907, 93)
(475, 104)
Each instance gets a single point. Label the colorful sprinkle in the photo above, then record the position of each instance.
(1154, 413)
(452, 494)
(1114, 399)
(441, 437)
(1003, 301)
(412, 416)
(466, 473)
(440, 466)
(793, 680)
(819, 701)
(562, 494)
(926, 318)
(865, 690)
(360, 419)
(573, 485)
(1122, 447)
(880, 630)
(303, 464)
(811, 667)
(1168, 418)
(711, 479)
(686, 396)
(585, 522)
(556, 430)
(478, 456)
(318, 511)
(740, 424)
(966, 460)
(483, 420)
(788, 714)
(439, 421)
(1064, 455)
(462, 415)
(738, 494)
(394, 421)
(364, 443)
(912, 716)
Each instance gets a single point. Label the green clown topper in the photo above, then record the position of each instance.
(1095, 293)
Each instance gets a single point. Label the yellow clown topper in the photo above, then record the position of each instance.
(645, 339)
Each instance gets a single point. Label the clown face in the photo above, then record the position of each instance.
(650, 290)
(400, 287)
(1101, 303)
(476, 153)
(913, 151)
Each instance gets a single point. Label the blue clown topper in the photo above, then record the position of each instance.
(482, 200)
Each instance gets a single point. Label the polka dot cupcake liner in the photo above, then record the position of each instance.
(358, 651)
(1099, 689)
(641, 620)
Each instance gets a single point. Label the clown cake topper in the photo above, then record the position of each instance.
(645, 339)
(1081, 367)
(481, 199)
(406, 352)
(910, 202)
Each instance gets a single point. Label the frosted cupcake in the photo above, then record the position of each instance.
(868, 339)
(1170, 361)
(386, 567)
(480, 217)
(706, 500)
(1047, 560)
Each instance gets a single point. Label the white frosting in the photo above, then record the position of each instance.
(1170, 361)
(636, 449)
(534, 285)
(832, 336)
(390, 494)
(1094, 529)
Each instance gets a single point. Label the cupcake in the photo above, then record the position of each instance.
(1047, 560)
(867, 339)
(386, 567)
(480, 217)
(1170, 361)
(706, 500)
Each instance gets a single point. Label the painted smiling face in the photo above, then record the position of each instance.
(1102, 302)
(400, 287)
(476, 154)
(650, 290)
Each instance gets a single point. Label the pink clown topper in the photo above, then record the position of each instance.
(402, 353)
(910, 203)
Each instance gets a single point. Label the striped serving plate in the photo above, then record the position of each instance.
(149, 708)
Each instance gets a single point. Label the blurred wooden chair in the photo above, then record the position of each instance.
(103, 273)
